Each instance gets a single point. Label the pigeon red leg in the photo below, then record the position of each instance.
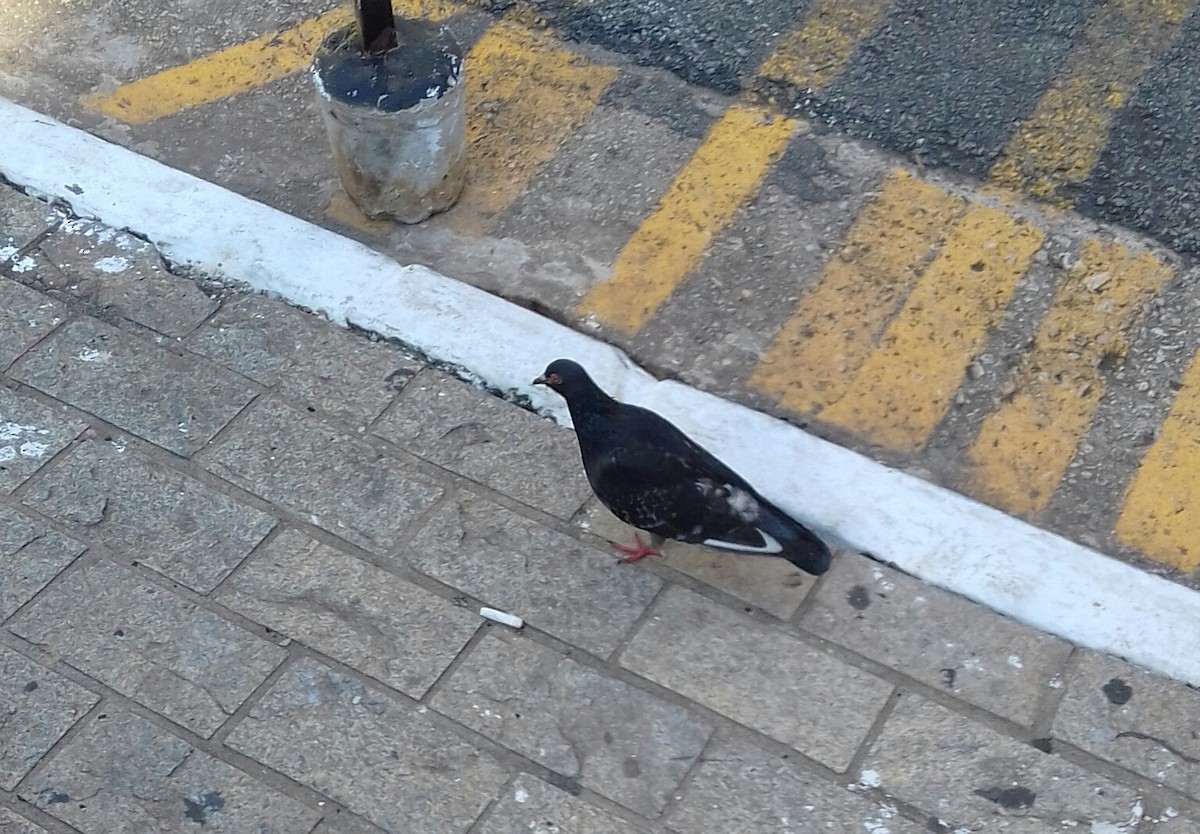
(636, 553)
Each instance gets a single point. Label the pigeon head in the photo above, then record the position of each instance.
(570, 380)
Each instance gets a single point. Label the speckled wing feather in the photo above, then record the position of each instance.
(658, 479)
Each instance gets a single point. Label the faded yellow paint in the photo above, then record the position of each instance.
(1161, 514)
(726, 169)
(817, 52)
(344, 210)
(1058, 145)
(525, 97)
(816, 353)
(1026, 444)
(906, 384)
(239, 69)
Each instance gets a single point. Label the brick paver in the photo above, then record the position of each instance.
(31, 434)
(979, 656)
(1127, 716)
(31, 555)
(621, 741)
(320, 473)
(312, 364)
(351, 610)
(758, 675)
(123, 775)
(173, 401)
(40, 707)
(120, 273)
(239, 581)
(118, 497)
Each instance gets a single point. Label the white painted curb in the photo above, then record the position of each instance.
(949, 540)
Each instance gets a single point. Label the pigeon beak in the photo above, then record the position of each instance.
(541, 380)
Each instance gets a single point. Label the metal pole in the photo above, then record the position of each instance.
(376, 24)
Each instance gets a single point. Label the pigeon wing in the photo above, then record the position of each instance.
(659, 480)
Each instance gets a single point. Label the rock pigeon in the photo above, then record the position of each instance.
(653, 477)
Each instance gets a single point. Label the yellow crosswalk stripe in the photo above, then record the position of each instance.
(1025, 445)
(906, 384)
(1161, 513)
(1058, 145)
(239, 69)
(525, 96)
(814, 357)
(815, 54)
(725, 170)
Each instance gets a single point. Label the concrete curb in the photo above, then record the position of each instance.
(942, 537)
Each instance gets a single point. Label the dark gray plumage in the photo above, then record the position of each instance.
(654, 477)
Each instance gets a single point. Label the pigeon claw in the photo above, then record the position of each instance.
(636, 553)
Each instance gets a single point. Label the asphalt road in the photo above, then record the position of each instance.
(946, 82)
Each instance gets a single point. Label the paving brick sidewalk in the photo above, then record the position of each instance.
(242, 553)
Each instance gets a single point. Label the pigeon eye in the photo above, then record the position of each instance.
(555, 379)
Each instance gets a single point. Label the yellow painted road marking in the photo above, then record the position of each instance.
(240, 68)
(525, 97)
(814, 357)
(1059, 144)
(905, 386)
(725, 170)
(1025, 445)
(344, 210)
(815, 54)
(1161, 515)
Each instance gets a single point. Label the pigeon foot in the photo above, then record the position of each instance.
(636, 553)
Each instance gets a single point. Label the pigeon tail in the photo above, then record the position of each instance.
(799, 545)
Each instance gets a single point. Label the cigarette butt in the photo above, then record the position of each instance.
(501, 617)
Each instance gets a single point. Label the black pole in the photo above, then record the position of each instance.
(376, 24)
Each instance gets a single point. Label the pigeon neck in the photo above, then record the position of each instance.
(591, 409)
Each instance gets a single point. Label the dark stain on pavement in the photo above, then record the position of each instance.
(1117, 691)
(1046, 745)
(1014, 799)
(196, 809)
(570, 784)
(858, 597)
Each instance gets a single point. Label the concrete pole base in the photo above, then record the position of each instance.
(396, 121)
